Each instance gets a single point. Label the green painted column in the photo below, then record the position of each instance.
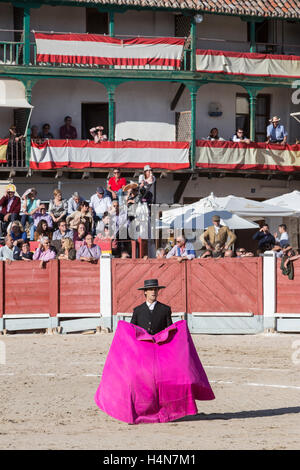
(111, 111)
(252, 36)
(193, 44)
(252, 99)
(193, 88)
(26, 36)
(28, 94)
(111, 25)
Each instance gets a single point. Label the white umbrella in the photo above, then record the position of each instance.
(290, 201)
(196, 221)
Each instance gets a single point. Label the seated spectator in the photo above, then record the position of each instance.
(67, 131)
(217, 252)
(40, 214)
(160, 253)
(146, 185)
(117, 219)
(107, 236)
(23, 253)
(42, 230)
(276, 134)
(229, 254)
(116, 185)
(74, 202)
(16, 232)
(265, 239)
(79, 236)
(81, 215)
(89, 252)
(182, 249)
(283, 239)
(97, 133)
(46, 134)
(34, 134)
(99, 204)
(7, 251)
(30, 206)
(10, 207)
(124, 255)
(61, 232)
(240, 137)
(217, 233)
(67, 250)
(242, 253)
(44, 252)
(58, 207)
(214, 134)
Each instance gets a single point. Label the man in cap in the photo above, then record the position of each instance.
(152, 315)
(99, 204)
(217, 233)
(10, 206)
(276, 134)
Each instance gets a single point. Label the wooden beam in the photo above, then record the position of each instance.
(180, 188)
(177, 96)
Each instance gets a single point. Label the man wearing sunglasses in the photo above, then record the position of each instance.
(116, 185)
(182, 250)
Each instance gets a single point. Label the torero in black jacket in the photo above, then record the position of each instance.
(152, 321)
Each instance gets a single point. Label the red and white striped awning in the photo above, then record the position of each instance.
(240, 63)
(81, 154)
(226, 155)
(92, 49)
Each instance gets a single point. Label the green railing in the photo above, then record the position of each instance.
(11, 52)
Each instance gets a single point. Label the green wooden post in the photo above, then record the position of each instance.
(193, 88)
(252, 92)
(111, 111)
(111, 26)
(252, 36)
(28, 93)
(26, 36)
(193, 44)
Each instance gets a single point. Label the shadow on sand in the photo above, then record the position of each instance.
(241, 414)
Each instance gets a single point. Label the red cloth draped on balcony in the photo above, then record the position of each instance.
(53, 154)
(227, 155)
(250, 63)
(92, 49)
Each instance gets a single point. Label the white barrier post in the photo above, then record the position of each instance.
(269, 289)
(106, 290)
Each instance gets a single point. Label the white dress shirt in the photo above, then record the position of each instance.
(151, 306)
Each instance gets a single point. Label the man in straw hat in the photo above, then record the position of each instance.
(276, 133)
(10, 206)
(217, 233)
(152, 315)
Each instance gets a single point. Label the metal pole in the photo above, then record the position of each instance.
(26, 36)
(252, 98)
(111, 112)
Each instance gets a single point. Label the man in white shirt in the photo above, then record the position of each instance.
(7, 251)
(100, 204)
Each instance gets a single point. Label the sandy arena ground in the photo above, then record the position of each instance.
(48, 383)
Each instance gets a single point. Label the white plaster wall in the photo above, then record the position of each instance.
(58, 19)
(6, 22)
(145, 23)
(224, 28)
(6, 120)
(54, 99)
(143, 111)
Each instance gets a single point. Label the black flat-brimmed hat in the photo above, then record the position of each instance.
(150, 284)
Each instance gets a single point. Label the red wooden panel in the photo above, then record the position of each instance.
(79, 287)
(26, 288)
(225, 285)
(129, 274)
(2, 311)
(288, 291)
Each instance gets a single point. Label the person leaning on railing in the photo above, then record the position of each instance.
(276, 133)
(97, 133)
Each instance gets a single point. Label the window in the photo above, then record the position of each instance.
(262, 115)
(96, 21)
(261, 32)
(93, 114)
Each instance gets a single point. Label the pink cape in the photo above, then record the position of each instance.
(152, 379)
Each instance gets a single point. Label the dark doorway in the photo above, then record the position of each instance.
(93, 114)
(262, 115)
(96, 22)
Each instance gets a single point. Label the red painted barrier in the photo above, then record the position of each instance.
(288, 291)
(225, 285)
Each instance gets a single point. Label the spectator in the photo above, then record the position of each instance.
(160, 253)
(10, 206)
(228, 254)
(147, 185)
(81, 215)
(132, 199)
(240, 252)
(182, 249)
(217, 233)
(34, 134)
(67, 131)
(117, 219)
(276, 134)
(15, 146)
(74, 202)
(89, 252)
(214, 134)
(79, 236)
(61, 232)
(23, 253)
(284, 236)
(67, 250)
(107, 236)
(30, 206)
(124, 255)
(58, 207)
(265, 238)
(206, 254)
(42, 230)
(17, 233)
(217, 252)
(97, 133)
(7, 251)
(44, 252)
(116, 185)
(240, 137)
(99, 204)
(46, 134)
(40, 214)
